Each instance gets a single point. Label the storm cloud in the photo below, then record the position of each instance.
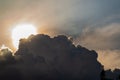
(42, 57)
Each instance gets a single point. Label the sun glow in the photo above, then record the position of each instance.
(22, 31)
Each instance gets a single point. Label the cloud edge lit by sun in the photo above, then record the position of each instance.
(22, 31)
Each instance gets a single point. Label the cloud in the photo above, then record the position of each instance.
(115, 74)
(43, 57)
(106, 37)
(7, 60)
(5, 51)
(71, 17)
(106, 56)
(105, 40)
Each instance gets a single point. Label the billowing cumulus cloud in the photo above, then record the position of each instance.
(5, 51)
(42, 57)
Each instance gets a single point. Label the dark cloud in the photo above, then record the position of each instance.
(45, 58)
(115, 74)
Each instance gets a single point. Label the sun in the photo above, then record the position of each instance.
(22, 31)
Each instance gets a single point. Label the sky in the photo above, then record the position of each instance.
(94, 24)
